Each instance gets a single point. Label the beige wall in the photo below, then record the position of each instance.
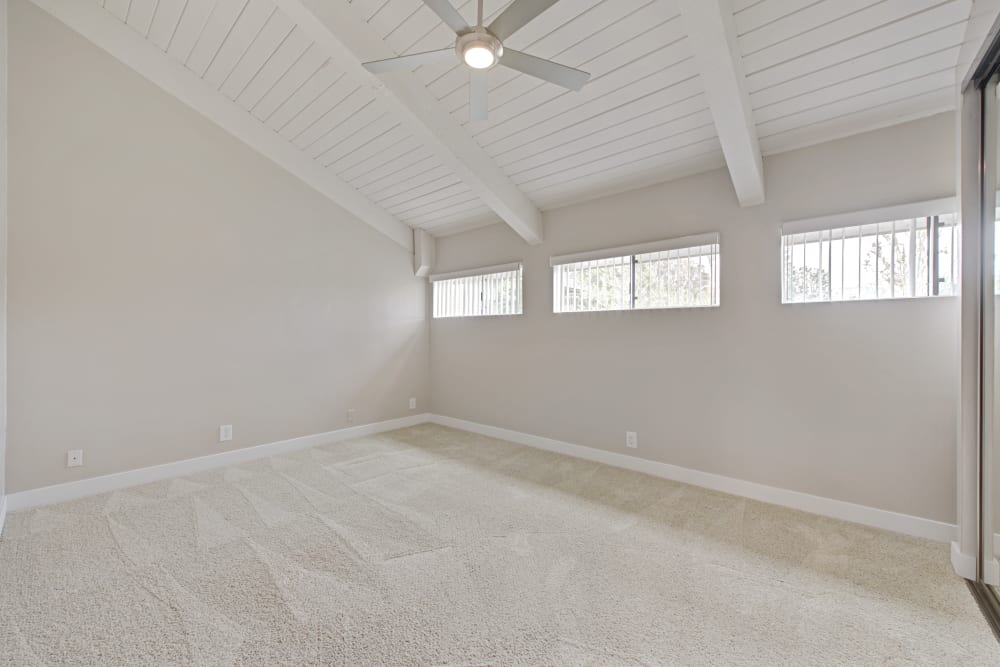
(165, 279)
(853, 401)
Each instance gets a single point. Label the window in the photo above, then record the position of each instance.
(894, 253)
(493, 290)
(679, 273)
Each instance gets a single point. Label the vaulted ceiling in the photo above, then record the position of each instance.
(675, 89)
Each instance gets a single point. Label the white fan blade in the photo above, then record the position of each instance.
(448, 14)
(517, 15)
(561, 75)
(479, 92)
(410, 61)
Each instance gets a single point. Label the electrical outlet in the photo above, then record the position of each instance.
(225, 433)
(350, 415)
(413, 404)
(631, 439)
(74, 458)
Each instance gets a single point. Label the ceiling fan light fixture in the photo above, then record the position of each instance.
(479, 50)
(479, 47)
(479, 57)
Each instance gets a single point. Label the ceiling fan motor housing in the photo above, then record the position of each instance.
(479, 49)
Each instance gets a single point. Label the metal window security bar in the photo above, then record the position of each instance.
(487, 291)
(676, 273)
(893, 258)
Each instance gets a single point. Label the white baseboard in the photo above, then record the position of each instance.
(991, 572)
(963, 564)
(991, 568)
(58, 493)
(3, 513)
(837, 509)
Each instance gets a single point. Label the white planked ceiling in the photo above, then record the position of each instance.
(642, 114)
(815, 70)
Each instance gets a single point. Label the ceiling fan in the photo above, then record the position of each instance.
(481, 48)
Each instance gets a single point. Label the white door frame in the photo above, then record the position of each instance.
(972, 553)
(965, 549)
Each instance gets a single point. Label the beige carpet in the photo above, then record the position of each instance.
(431, 546)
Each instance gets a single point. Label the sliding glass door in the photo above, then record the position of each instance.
(989, 572)
(976, 553)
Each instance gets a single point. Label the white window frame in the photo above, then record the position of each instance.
(862, 218)
(631, 251)
(517, 308)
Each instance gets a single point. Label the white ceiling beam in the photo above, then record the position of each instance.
(350, 41)
(126, 45)
(712, 36)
